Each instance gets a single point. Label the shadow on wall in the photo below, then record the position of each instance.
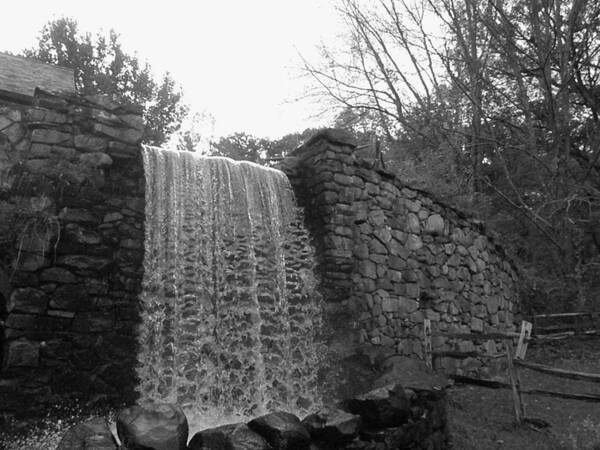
(71, 235)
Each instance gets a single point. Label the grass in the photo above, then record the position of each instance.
(482, 418)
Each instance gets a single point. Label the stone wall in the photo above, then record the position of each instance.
(71, 247)
(390, 256)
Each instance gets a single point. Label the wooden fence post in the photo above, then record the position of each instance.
(524, 338)
(427, 343)
(514, 384)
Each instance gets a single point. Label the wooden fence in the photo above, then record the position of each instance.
(515, 358)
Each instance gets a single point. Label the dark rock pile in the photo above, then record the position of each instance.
(386, 418)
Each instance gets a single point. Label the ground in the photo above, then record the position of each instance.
(482, 418)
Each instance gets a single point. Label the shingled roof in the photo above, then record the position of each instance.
(19, 77)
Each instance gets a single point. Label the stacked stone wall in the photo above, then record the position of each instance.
(390, 256)
(71, 248)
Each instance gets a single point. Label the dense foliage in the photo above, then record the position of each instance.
(102, 66)
(496, 104)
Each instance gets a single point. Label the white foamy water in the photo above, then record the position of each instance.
(230, 315)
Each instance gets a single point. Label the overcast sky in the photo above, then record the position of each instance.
(236, 59)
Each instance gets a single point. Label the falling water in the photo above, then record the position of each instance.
(230, 315)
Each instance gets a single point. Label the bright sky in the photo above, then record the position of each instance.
(236, 59)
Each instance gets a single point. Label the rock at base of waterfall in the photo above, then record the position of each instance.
(384, 407)
(282, 430)
(93, 434)
(228, 437)
(153, 426)
(332, 425)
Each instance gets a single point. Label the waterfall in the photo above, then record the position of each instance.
(230, 317)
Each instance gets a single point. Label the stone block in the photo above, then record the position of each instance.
(30, 262)
(407, 307)
(28, 300)
(395, 276)
(396, 263)
(466, 346)
(127, 135)
(376, 247)
(133, 120)
(86, 322)
(96, 160)
(71, 297)
(413, 206)
(413, 290)
(39, 116)
(50, 136)
(84, 262)
(367, 269)
(413, 224)
(14, 133)
(389, 304)
(122, 151)
(432, 315)
(477, 325)
(5, 122)
(77, 215)
(58, 274)
(377, 218)
(361, 251)
(40, 151)
(81, 235)
(22, 353)
(435, 225)
(470, 364)
(414, 242)
(492, 304)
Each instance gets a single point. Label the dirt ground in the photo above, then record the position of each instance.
(482, 418)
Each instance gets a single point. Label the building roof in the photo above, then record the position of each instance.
(22, 76)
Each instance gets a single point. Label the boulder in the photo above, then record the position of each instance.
(282, 430)
(381, 408)
(229, 437)
(93, 434)
(332, 425)
(159, 426)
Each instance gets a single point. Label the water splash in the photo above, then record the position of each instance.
(230, 315)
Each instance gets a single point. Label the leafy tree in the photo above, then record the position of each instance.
(241, 147)
(507, 99)
(101, 66)
(196, 133)
(245, 147)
